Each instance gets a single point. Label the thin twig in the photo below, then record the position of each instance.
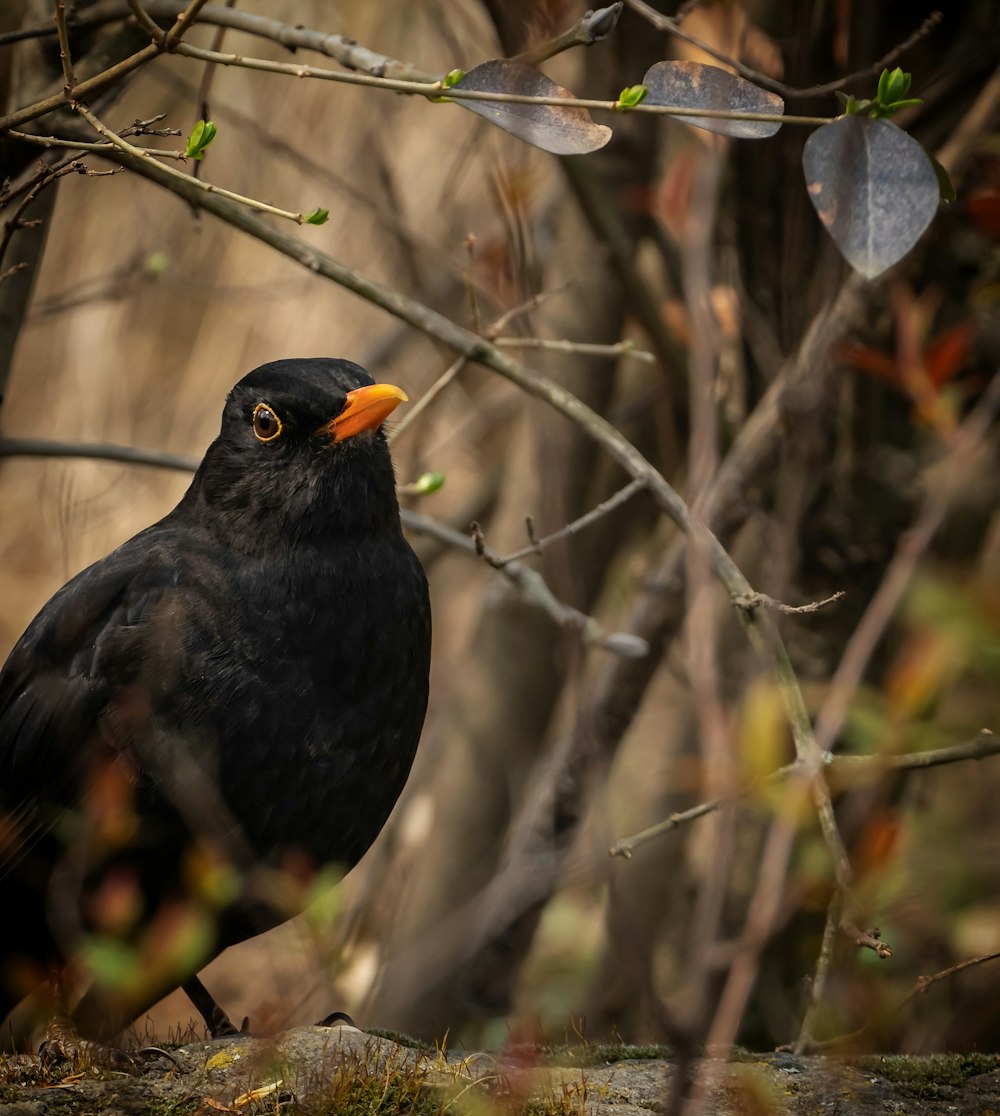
(432, 89)
(15, 222)
(606, 507)
(980, 747)
(491, 332)
(96, 451)
(96, 148)
(921, 986)
(428, 397)
(593, 27)
(620, 348)
(531, 585)
(207, 187)
(672, 26)
(65, 57)
(758, 600)
(437, 91)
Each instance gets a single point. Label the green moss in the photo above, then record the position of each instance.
(400, 1039)
(604, 1054)
(395, 1093)
(926, 1077)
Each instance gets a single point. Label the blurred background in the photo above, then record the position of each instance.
(490, 909)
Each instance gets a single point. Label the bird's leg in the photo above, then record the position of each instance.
(218, 1023)
(63, 1042)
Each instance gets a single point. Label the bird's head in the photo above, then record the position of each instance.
(301, 454)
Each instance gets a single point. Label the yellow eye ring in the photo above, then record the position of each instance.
(266, 424)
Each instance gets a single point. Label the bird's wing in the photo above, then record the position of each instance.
(68, 685)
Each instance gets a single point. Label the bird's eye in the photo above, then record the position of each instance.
(266, 424)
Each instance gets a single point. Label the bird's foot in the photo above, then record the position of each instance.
(337, 1017)
(63, 1044)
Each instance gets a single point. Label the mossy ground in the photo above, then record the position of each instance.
(929, 1077)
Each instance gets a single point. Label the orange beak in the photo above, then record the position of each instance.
(366, 409)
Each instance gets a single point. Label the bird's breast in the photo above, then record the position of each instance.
(323, 700)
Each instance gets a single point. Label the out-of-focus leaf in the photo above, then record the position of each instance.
(874, 188)
(946, 187)
(563, 131)
(697, 86)
(946, 355)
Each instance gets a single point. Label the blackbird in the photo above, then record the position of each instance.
(228, 701)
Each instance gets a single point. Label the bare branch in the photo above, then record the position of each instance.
(758, 600)
(64, 55)
(982, 746)
(607, 506)
(620, 348)
(672, 26)
(531, 585)
(593, 27)
(428, 397)
(209, 188)
(96, 451)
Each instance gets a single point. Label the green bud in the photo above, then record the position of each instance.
(427, 483)
(317, 217)
(631, 96)
(201, 136)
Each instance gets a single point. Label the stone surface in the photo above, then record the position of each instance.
(322, 1070)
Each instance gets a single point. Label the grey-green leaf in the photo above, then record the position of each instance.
(697, 86)
(874, 188)
(563, 131)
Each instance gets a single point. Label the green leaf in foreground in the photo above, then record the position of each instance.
(317, 217)
(201, 136)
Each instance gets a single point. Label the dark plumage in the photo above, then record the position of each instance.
(243, 683)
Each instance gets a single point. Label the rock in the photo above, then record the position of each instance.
(320, 1070)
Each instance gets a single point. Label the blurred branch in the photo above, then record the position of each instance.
(620, 348)
(951, 475)
(97, 451)
(622, 496)
(672, 27)
(921, 986)
(980, 747)
(428, 397)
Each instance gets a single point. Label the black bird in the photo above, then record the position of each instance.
(231, 698)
